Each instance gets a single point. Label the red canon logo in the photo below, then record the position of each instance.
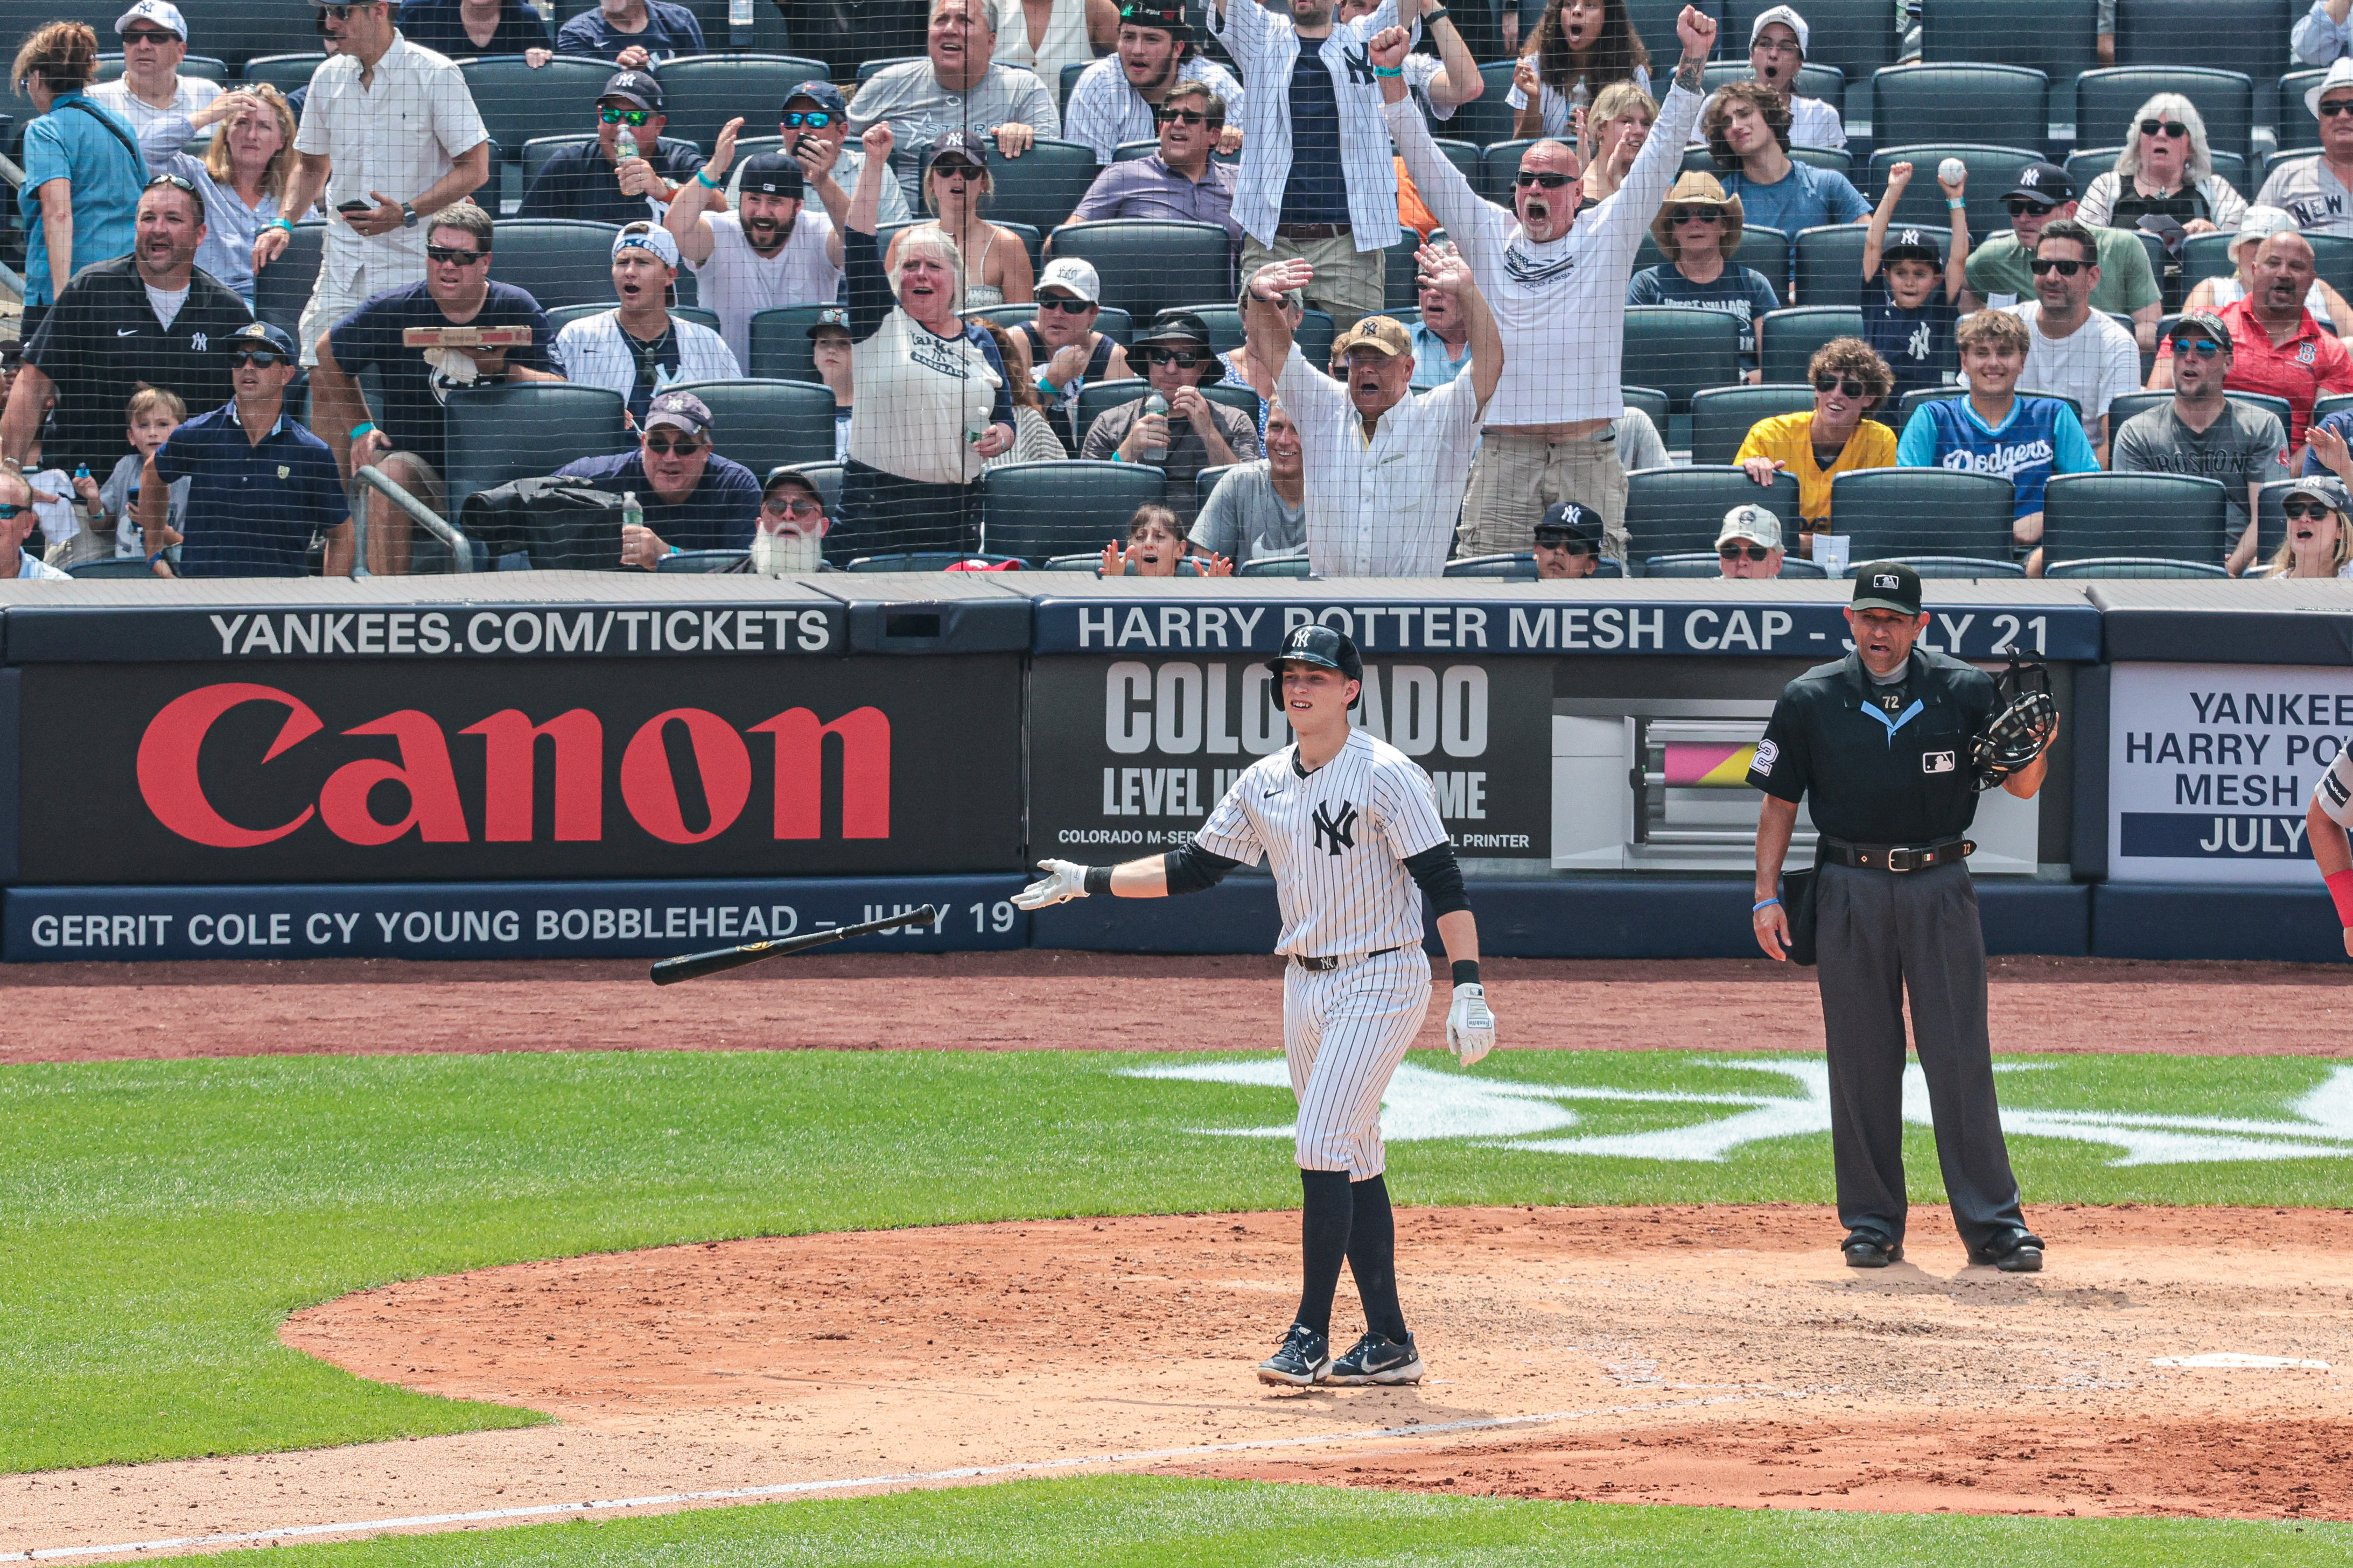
(168, 779)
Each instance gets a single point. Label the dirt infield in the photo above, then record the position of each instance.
(1042, 1000)
(1697, 1354)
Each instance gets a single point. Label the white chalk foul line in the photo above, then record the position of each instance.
(912, 1478)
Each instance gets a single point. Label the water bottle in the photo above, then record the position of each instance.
(632, 514)
(738, 23)
(626, 144)
(1156, 403)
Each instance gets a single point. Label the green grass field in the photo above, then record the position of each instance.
(1133, 1521)
(159, 1219)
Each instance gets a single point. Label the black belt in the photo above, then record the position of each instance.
(1893, 857)
(1313, 230)
(1321, 965)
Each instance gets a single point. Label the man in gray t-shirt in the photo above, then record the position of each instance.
(2205, 434)
(958, 87)
(1258, 512)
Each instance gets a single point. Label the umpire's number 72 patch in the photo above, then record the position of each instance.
(1937, 761)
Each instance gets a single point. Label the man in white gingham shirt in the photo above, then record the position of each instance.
(1384, 464)
(1318, 182)
(1557, 281)
(1115, 97)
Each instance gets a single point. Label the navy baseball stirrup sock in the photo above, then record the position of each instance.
(1372, 1259)
(1322, 1242)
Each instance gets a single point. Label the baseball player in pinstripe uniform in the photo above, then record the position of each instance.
(1350, 827)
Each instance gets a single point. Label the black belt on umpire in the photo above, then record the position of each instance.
(1892, 857)
(1313, 230)
(1323, 965)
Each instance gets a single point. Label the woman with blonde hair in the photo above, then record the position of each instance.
(82, 169)
(2317, 544)
(1614, 129)
(240, 178)
(2165, 170)
(956, 182)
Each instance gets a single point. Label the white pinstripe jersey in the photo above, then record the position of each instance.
(1337, 840)
(2335, 790)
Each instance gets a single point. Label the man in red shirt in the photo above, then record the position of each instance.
(2276, 346)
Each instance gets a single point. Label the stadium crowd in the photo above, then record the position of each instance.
(1307, 286)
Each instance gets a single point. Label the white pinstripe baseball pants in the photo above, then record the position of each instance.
(1344, 1033)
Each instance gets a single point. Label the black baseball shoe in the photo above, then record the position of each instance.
(1379, 1359)
(2012, 1252)
(1869, 1249)
(1305, 1358)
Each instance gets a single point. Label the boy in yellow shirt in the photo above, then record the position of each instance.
(1836, 438)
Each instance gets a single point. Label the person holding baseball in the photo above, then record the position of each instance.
(1350, 826)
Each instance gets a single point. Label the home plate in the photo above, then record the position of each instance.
(2234, 1359)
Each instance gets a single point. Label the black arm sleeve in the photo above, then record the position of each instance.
(1439, 876)
(1194, 870)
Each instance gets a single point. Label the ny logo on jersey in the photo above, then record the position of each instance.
(1340, 830)
(1360, 74)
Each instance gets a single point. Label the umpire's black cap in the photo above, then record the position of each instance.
(1318, 646)
(1887, 585)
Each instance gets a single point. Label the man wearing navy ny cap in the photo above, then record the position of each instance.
(592, 182)
(1885, 745)
(692, 498)
(814, 126)
(260, 486)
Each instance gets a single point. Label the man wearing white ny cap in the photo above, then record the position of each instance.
(2318, 192)
(1064, 345)
(1778, 42)
(639, 349)
(155, 41)
(1749, 544)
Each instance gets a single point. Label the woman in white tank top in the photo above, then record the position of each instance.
(955, 183)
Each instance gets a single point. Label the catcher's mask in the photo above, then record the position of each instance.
(2024, 719)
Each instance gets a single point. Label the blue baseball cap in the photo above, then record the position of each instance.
(258, 336)
(824, 94)
(1321, 646)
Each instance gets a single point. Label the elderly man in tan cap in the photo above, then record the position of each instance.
(1749, 544)
(1698, 229)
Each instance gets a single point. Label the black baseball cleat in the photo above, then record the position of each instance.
(1379, 1359)
(2012, 1252)
(1305, 1358)
(1869, 1249)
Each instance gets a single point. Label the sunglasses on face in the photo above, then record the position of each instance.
(1189, 115)
(2305, 510)
(2335, 107)
(1742, 551)
(259, 358)
(1183, 359)
(1695, 215)
(2173, 128)
(10, 513)
(2021, 207)
(2042, 264)
(1846, 383)
(2204, 348)
(338, 13)
(683, 447)
(792, 506)
(1068, 306)
(808, 119)
(453, 255)
(150, 38)
(1550, 181)
(633, 117)
(954, 168)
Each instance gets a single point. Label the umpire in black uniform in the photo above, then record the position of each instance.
(1883, 739)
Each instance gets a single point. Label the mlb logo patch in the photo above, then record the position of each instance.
(1937, 761)
(1886, 580)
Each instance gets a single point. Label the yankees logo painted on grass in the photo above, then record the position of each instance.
(1422, 1104)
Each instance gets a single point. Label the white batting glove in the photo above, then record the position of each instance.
(1470, 1027)
(1064, 881)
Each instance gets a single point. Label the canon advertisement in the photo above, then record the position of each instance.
(2210, 768)
(1129, 755)
(358, 772)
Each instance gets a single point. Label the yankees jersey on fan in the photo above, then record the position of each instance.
(2335, 791)
(1337, 840)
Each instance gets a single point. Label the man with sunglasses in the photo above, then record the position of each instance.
(260, 485)
(1180, 181)
(2205, 434)
(771, 253)
(389, 134)
(1195, 433)
(2276, 346)
(1556, 279)
(793, 525)
(814, 123)
(2002, 273)
(152, 316)
(155, 41)
(592, 182)
(2318, 192)
(1119, 99)
(2072, 351)
(1749, 544)
(17, 520)
(403, 435)
(692, 498)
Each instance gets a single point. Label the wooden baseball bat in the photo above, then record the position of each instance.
(695, 965)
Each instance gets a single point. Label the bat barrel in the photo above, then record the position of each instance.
(695, 965)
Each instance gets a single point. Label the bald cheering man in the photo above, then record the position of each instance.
(1556, 283)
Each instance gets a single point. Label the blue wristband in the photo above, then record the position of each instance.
(1762, 904)
(704, 181)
